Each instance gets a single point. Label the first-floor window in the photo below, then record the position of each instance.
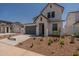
(54, 27)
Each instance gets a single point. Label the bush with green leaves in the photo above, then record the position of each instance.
(61, 42)
(76, 34)
(76, 54)
(56, 33)
(78, 49)
(50, 42)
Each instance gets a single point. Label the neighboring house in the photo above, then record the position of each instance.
(17, 27)
(11, 27)
(72, 23)
(48, 21)
(76, 27)
(5, 26)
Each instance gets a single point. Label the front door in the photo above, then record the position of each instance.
(41, 29)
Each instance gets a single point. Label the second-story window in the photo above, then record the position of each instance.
(48, 14)
(51, 14)
(41, 19)
(50, 6)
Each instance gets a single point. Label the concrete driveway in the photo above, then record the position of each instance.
(19, 38)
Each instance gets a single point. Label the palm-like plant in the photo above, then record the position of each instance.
(50, 42)
(61, 42)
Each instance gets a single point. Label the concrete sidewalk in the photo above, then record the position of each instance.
(1, 34)
(5, 35)
(19, 38)
(9, 50)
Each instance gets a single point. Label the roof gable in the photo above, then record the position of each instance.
(62, 8)
(41, 13)
(47, 19)
(39, 16)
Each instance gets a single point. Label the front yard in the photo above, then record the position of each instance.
(51, 46)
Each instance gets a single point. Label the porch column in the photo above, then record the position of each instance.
(1, 29)
(46, 32)
(9, 29)
(5, 30)
(46, 29)
(37, 30)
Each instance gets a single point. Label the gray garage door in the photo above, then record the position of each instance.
(30, 30)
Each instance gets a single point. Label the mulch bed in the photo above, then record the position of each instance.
(40, 45)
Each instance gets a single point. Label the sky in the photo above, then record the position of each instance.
(25, 12)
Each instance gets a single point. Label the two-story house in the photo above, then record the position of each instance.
(72, 23)
(48, 21)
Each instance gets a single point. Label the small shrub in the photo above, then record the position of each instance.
(61, 42)
(41, 39)
(75, 54)
(55, 39)
(31, 45)
(72, 40)
(50, 42)
(78, 49)
(56, 33)
(76, 34)
(34, 38)
(52, 52)
(20, 43)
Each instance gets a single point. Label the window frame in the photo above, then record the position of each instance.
(48, 14)
(51, 14)
(55, 27)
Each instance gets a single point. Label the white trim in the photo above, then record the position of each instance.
(30, 25)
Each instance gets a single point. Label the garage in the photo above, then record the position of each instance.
(31, 29)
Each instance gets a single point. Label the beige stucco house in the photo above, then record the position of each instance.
(11, 27)
(5, 27)
(17, 27)
(48, 21)
(72, 23)
(76, 27)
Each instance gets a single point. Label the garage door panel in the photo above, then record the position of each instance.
(30, 30)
